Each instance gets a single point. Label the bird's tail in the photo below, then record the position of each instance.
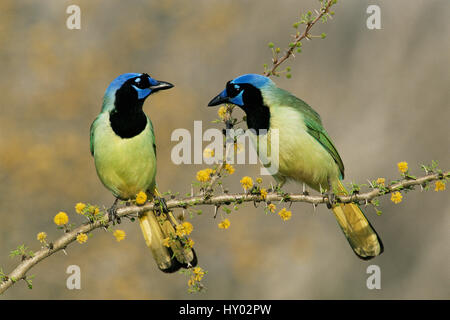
(362, 237)
(170, 251)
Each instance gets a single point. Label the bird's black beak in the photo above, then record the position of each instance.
(161, 85)
(219, 99)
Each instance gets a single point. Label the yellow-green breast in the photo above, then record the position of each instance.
(125, 166)
(301, 157)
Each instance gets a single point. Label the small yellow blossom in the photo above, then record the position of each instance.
(180, 231)
(402, 166)
(396, 197)
(119, 234)
(41, 236)
(79, 207)
(284, 214)
(191, 282)
(208, 153)
(188, 227)
(184, 229)
(204, 175)
(259, 180)
(190, 243)
(61, 218)
(198, 273)
(198, 277)
(381, 181)
(82, 237)
(246, 182)
(222, 112)
(440, 186)
(93, 210)
(272, 207)
(263, 193)
(229, 168)
(225, 224)
(141, 198)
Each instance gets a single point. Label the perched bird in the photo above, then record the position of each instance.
(124, 150)
(306, 152)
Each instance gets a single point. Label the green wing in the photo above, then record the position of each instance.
(153, 134)
(314, 127)
(93, 125)
(316, 130)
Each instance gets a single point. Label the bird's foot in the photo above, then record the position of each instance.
(331, 198)
(330, 195)
(112, 213)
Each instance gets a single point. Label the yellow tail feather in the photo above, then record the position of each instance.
(155, 231)
(360, 234)
(154, 239)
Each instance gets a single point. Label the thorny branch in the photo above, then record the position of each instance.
(21, 270)
(207, 196)
(276, 62)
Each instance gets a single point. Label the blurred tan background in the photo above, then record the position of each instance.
(383, 96)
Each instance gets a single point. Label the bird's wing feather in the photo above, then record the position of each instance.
(314, 127)
(318, 132)
(153, 134)
(92, 130)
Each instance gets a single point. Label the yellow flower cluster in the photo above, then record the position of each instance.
(79, 207)
(247, 183)
(184, 229)
(208, 153)
(381, 181)
(198, 273)
(396, 197)
(229, 168)
(204, 175)
(259, 180)
(197, 276)
(61, 219)
(271, 207)
(119, 235)
(225, 224)
(439, 186)
(41, 236)
(284, 214)
(222, 112)
(263, 193)
(82, 237)
(190, 243)
(402, 166)
(141, 198)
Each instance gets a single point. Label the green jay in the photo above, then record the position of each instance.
(306, 152)
(122, 142)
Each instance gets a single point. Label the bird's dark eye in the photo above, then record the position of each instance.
(142, 82)
(233, 89)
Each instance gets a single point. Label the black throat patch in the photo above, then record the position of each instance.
(127, 119)
(258, 114)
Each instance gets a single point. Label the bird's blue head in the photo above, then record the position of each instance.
(243, 90)
(130, 90)
(247, 92)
